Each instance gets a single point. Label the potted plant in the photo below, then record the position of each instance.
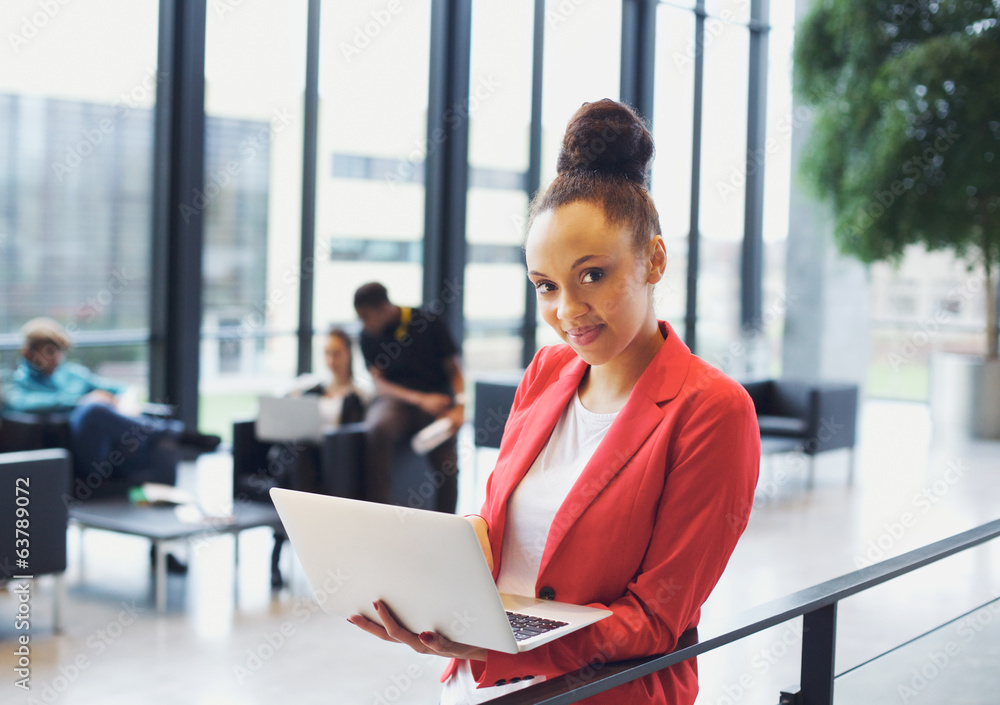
(906, 149)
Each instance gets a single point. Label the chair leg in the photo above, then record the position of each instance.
(59, 603)
(276, 579)
(811, 480)
(160, 578)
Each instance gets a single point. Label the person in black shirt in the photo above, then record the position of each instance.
(415, 365)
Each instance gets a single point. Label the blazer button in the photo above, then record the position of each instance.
(500, 683)
(547, 593)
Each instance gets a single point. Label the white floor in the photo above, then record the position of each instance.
(217, 647)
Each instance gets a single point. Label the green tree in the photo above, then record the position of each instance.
(906, 138)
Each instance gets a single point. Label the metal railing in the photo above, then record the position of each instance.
(817, 606)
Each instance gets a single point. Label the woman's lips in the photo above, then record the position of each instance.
(584, 335)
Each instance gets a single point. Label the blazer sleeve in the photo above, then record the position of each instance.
(703, 510)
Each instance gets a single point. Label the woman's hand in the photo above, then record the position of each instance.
(423, 643)
(483, 534)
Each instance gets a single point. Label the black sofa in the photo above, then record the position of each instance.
(811, 417)
(20, 431)
(794, 415)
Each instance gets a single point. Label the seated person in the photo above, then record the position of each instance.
(341, 401)
(111, 450)
(416, 367)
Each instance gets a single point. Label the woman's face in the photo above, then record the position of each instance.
(592, 286)
(338, 357)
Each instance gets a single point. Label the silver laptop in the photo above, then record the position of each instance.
(427, 566)
(289, 419)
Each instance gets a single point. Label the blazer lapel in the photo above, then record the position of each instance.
(538, 425)
(642, 413)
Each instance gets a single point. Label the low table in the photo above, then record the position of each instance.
(161, 525)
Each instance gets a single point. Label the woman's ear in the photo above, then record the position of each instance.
(656, 260)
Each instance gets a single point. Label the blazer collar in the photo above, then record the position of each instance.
(642, 413)
(661, 382)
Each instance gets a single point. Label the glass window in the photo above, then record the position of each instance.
(372, 146)
(723, 188)
(776, 157)
(729, 10)
(500, 93)
(929, 301)
(76, 148)
(673, 126)
(254, 83)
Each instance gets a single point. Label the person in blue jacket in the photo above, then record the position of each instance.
(44, 383)
(111, 449)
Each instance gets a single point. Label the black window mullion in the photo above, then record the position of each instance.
(533, 179)
(310, 131)
(446, 175)
(178, 178)
(694, 226)
(751, 274)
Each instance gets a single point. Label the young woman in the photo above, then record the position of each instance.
(628, 465)
(341, 401)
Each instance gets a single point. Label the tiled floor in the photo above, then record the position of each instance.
(217, 647)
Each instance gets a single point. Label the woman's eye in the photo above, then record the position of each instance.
(592, 276)
(543, 287)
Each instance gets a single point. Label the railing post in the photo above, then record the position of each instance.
(819, 642)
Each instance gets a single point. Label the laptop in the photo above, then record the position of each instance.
(427, 566)
(282, 419)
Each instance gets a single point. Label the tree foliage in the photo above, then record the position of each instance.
(906, 138)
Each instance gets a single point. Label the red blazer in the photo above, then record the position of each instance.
(649, 525)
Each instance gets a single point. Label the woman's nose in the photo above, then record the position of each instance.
(570, 306)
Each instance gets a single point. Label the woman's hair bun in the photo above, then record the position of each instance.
(607, 137)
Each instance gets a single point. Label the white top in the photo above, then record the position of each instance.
(530, 511)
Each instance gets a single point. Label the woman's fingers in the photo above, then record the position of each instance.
(395, 630)
(369, 626)
(424, 643)
(445, 647)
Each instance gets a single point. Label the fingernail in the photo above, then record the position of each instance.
(375, 605)
(426, 637)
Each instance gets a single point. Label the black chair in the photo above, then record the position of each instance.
(333, 467)
(39, 482)
(492, 407)
(811, 417)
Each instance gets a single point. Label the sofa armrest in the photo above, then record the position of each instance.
(46, 481)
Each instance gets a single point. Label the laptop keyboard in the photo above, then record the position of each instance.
(525, 626)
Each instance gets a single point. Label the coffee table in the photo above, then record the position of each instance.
(161, 525)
